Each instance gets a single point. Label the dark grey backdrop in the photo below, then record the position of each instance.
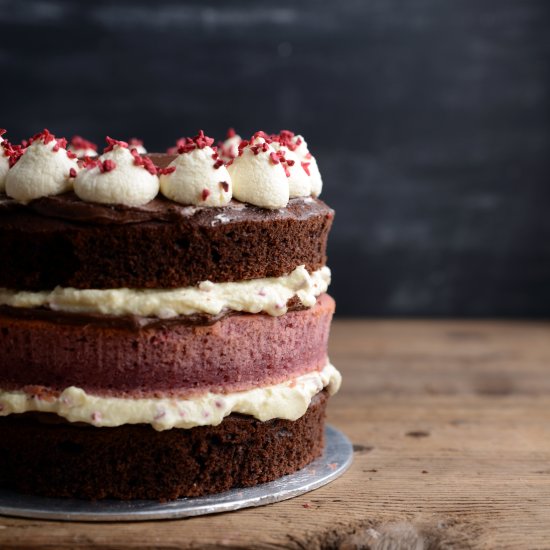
(430, 120)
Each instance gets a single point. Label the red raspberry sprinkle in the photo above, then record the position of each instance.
(2, 131)
(45, 136)
(144, 162)
(225, 186)
(70, 154)
(149, 165)
(244, 143)
(305, 166)
(78, 142)
(60, 143)
(205, 194)
(112, 143)
(167, 170)
(274, 158)
(135, 142)
(230, 133)
(202, 141)
(263, 147)
(286, 138)
(138, 160)
(89, 162)
(72, 173)
(308, 156)
(218, 163)
(106, 165)
(187, 146)
(14, 152)
(262, 134)
(174, 150)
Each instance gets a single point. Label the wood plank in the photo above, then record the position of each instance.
(451, 426)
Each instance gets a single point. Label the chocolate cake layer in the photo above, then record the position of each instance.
(137, 462)
(63, 241)
(239, 352)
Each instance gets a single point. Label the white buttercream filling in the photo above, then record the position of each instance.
(288, 400)
(269, 295)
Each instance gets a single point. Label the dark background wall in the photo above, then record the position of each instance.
(430, 120)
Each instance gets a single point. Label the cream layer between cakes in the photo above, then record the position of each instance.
(288, 400)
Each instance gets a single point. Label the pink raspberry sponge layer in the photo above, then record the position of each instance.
(238, 352)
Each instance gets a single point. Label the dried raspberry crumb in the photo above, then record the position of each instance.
(112, 143)
(174, 150)
(262, 134)
(230, 133)
(307, 505)
(225, 186)
(106, 166)
(166, 171)
(144, 162)
(2, 131)
(14, 153)
(45, 136)
(203, 141)
(263, 147)
(205, 194)
(60, 143)
(305, 166)
(274, 158)
(160, 414)
(308, 156)
(149, 165)
(286, 138)
(78, 142)
(71, 155)
(138, 161)
(186, 146)
(244, 143)
(89, 162)
(72, 173)
(135, 142)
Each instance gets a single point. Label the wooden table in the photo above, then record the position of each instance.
(451, 426)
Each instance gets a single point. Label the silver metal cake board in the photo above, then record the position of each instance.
(336, 459)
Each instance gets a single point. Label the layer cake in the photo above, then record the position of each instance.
(163, 318)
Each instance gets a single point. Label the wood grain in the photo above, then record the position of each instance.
(451, 427)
